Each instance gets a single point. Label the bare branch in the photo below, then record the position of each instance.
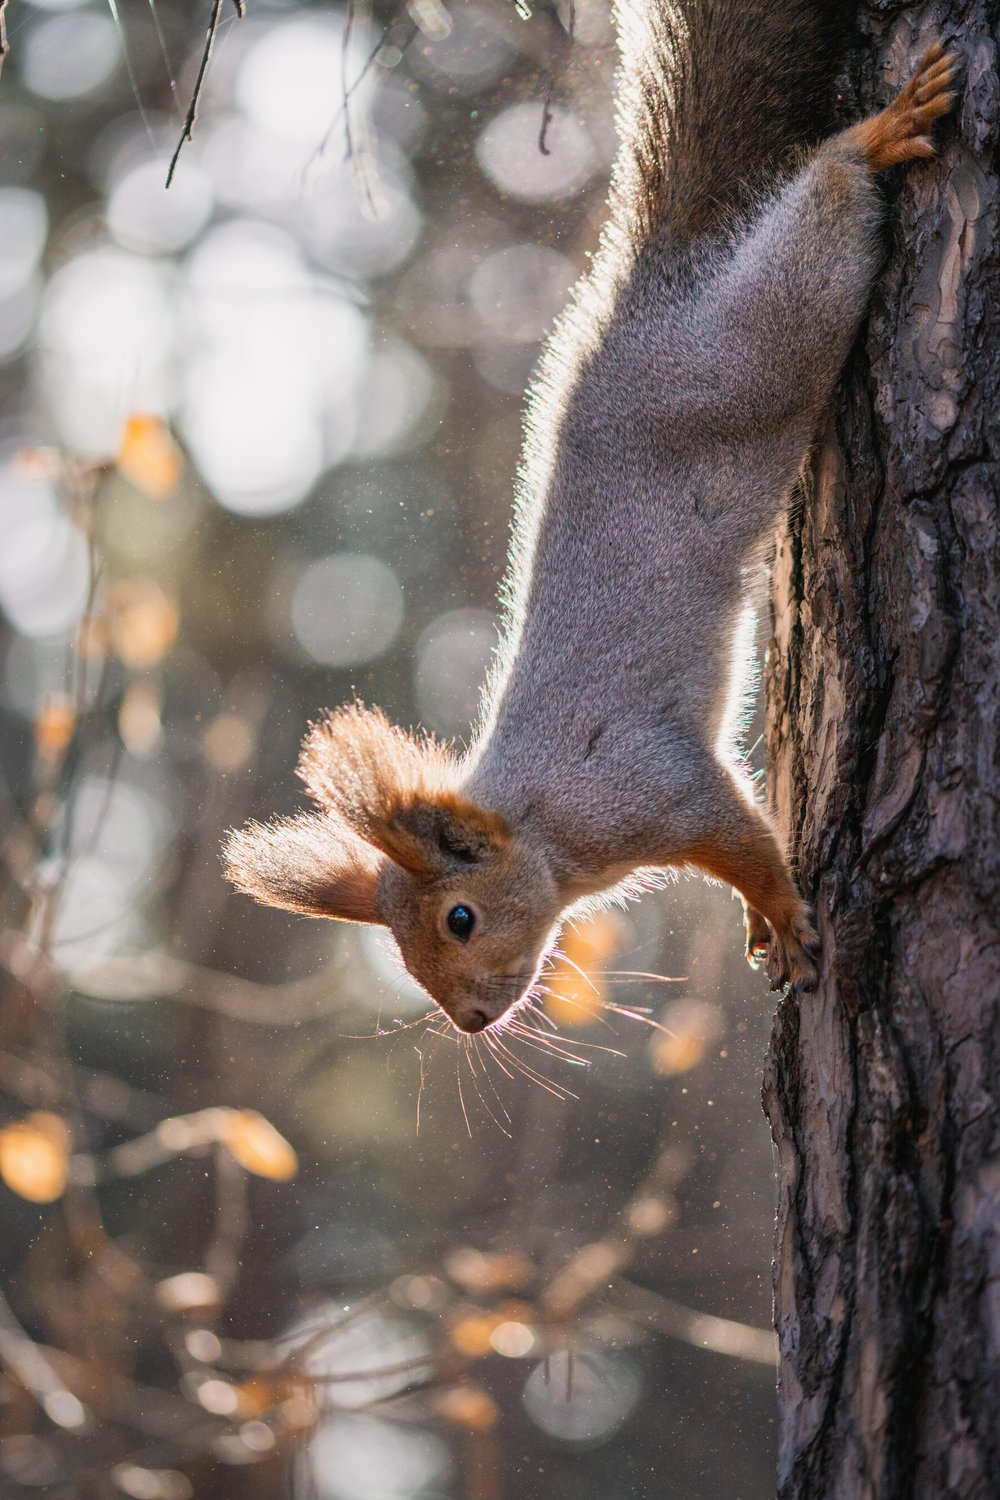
(187, 130)
(703, 1330)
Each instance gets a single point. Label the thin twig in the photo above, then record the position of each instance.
(546, 122)
(345, 51)
(36, 1373)
(757, 1346)
(153, 975)
(187, 130)
(404, 44)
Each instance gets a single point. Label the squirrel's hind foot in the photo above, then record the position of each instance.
(899, 133)
(792, 954)
(789, 958)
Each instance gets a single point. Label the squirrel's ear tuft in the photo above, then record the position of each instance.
(310, 864)
(396, 791)
(436, 835)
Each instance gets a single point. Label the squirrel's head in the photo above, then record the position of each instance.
(472, 905)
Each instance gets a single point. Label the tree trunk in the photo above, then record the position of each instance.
(884, 711)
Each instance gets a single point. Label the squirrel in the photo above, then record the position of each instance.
(678, 398)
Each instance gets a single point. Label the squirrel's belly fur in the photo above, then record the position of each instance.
(677, 399)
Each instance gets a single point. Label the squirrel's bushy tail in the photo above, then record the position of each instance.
(713, 95)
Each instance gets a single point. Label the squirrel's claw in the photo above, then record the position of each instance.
(898, 133)
(788, 956)
(758, 936)
(792, 955)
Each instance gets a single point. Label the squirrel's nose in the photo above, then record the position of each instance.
(472, 1020)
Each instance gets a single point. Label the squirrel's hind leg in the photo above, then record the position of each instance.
(741, 849)
(899, 133)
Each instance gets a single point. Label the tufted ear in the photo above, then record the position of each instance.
(433, 835)
(311, 864)
(397, 792)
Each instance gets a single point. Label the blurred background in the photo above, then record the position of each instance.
(267, 1231)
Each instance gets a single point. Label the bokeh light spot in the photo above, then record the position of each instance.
(512, 1340)
(23, 230)
(354, 1456)
(508, 153)
(43, 562)
(70, 55)
(289, 81)
(690, 1028)
(453, 655)
(142, 216)
(347, 609)
(467, 54)
(516, 292)
(34, 1156)
(109, 328)
(582, 1398)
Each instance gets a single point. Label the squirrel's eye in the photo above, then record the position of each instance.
(461, 922)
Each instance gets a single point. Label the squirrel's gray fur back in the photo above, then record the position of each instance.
(716, 100)
(674, 403)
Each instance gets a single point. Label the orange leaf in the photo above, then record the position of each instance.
(488, 1270)
(466, 1406)
(471, 1334)
(149, 456)
(677, 1054)
(257, 1146)
(54, 726)
(575, 998)
(691, 1026)
(34, 1157)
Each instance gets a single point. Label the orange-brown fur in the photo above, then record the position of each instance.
(898, 133)
(384, 784)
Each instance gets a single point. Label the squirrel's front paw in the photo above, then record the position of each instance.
(792, 954)
(899, 132)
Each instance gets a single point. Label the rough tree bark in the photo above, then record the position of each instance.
(884, 747)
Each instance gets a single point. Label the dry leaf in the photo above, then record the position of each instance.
(471, 1333)
(574, 998)
(149, 456)
(257, 1146)
(691, 1027)
(34, 1157)
(466, 1406)
(488, 1271)
(55, 726)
